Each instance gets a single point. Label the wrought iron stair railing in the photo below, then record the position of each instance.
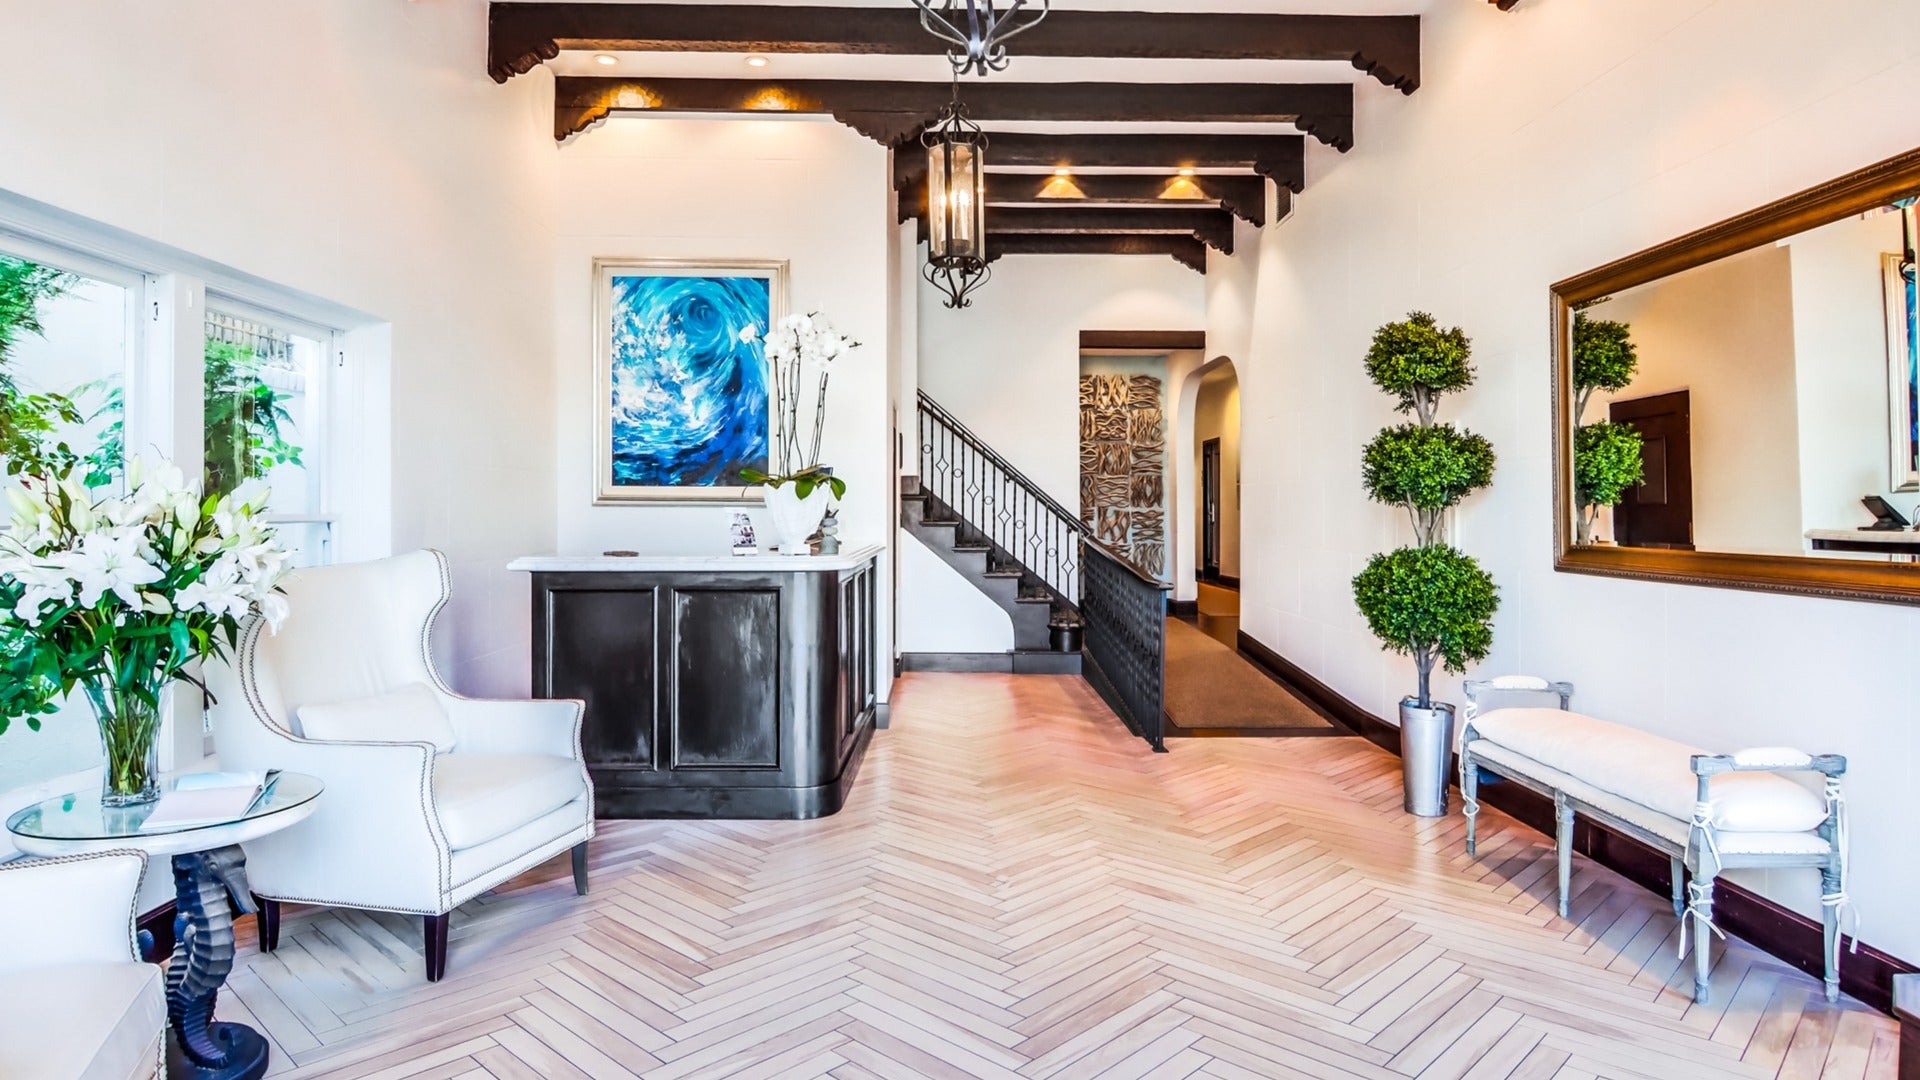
(1123, 609)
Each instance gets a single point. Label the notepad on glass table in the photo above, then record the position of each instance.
(209, 799)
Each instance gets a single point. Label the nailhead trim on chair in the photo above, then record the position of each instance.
(133, 906)
(248, 676)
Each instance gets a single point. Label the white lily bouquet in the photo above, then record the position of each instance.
(120, 595)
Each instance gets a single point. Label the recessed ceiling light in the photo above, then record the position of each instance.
(757, 60)
(1063, 171)
(606, 59)
(1186, 172)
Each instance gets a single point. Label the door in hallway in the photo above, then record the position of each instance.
(1658, 512)
(1210, 508)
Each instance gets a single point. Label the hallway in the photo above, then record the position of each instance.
(1211, 690)
(1019, 890)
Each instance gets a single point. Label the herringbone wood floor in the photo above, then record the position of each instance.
(1020, 890)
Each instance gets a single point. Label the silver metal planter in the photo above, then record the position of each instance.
(1426, 751)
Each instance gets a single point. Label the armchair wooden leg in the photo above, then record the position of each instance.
(580, 868)
(269, 923)
(437, 946)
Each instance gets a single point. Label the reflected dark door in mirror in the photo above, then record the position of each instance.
(1659, 511)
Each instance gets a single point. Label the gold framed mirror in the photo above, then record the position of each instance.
(1740, 407)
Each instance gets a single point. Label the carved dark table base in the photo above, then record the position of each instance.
(204, 883)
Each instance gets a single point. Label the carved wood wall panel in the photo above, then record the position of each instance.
(1122, 466)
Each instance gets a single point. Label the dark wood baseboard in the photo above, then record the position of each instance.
(1183, 609)
(1321, 696)
(1225, 581)
(1792, 937)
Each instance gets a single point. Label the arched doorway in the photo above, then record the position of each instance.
(1207, 517)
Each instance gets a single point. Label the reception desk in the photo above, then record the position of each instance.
(716, 686)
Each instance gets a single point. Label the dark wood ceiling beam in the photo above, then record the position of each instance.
(1186, 250)
(1504, 5)
(891, 112)
(522, 35)
(1279, 158)
(1211, 226)
(1244, 197)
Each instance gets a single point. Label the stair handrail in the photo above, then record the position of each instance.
(1032, 489)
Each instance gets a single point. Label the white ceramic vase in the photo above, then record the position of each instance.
(796, 519)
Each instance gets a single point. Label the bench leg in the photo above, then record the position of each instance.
(1702, 911)
(1563, 846)
(1470, 799)
(1830, 918)
(1679, 870)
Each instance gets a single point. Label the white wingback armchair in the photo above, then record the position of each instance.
(80, 1002)
(432, 798)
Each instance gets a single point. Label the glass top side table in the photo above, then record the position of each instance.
(208, 868)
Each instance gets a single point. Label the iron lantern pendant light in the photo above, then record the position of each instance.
(979, 45)
(956, 203)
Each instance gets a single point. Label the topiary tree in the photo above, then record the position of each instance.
(1606, 454)
(1604, 358)
(1433, 603)
(1416, 361)
(1429, 601)
(1427, 470)
(1606, 463)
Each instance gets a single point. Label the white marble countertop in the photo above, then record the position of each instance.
(849, 559)
(1866, 536)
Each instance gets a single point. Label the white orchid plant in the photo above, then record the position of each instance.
(800, 352)
(119, 595)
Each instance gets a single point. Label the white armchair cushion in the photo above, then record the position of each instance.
(1650, 770)
(85, 1021)
(410, 714)
(482, 796)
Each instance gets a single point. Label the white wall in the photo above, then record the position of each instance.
(375, 166)
(1009, 366)
(1724, 333)
(1543, 142)
(1840, 346)
(806, 190)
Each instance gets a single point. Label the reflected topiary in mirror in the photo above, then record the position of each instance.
(1606, 463)
(1606, 456)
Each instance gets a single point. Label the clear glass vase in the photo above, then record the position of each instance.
(129, 716)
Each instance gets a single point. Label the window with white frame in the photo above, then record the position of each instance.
(265, 416)
(102, 360)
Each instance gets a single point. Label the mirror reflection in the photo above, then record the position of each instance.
(1763, 403)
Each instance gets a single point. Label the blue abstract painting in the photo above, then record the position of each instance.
(688, 393)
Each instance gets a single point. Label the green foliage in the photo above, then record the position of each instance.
(803, 481)
(1416, 361)
(1426, 468)
(28, 421)
(1604, 358)
(243, 418)
(1606, 462)
(1434, 603)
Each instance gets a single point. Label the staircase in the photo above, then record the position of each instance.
(993, 570)
(1040, 564)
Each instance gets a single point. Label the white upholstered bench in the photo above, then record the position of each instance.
(1706, 812)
